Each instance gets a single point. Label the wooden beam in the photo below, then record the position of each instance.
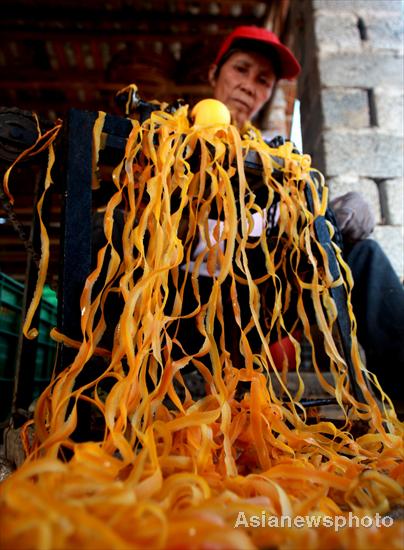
(166, 32)
(95, 86)
(53, 14)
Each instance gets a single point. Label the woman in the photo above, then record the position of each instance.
(243, 76)
(246, 68)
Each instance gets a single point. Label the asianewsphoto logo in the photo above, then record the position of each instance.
(333, 522)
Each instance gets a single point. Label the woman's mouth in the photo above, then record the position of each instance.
(240, 103)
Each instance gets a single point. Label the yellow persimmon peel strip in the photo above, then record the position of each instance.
(170, 470)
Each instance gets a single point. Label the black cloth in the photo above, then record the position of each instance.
(378, 305)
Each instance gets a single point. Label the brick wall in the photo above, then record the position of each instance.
(351, 89)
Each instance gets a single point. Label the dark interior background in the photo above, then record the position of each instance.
(69, 53)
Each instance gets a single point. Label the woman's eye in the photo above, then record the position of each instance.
(265, 81)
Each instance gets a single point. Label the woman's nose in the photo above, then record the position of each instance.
(247, 85)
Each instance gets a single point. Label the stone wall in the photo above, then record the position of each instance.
(351, 89)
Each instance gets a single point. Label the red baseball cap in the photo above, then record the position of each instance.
(288, 65)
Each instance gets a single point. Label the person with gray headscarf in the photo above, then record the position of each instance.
(243, 76)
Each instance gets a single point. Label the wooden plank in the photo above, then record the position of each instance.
(168, 33)
(88, 22)
(60, 56)
(76, 221)
(97, 56)
(78, 55)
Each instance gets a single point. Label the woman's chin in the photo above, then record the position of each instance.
(238, 118)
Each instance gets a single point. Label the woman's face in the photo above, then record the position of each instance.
(244, 83)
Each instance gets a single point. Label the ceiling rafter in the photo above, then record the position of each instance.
(54, 56)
